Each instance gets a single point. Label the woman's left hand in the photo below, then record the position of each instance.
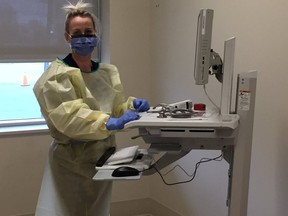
(141, 105)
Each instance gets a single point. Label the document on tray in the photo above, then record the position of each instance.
(124, 155)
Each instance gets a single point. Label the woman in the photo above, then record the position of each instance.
(82, 102)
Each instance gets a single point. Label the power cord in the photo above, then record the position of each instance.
(193, 175)
(218, 109)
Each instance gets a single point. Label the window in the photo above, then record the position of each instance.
(16, 83)
(32, 35)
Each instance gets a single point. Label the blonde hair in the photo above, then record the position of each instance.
(79, 6)
(80, 9)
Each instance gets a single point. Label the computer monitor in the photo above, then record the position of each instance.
(207, 61)
(203, 46)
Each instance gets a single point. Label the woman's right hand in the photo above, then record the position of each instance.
(118, 123)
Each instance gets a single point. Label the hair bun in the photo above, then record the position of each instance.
(79, 6)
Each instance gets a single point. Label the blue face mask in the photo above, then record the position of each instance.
(84, 45)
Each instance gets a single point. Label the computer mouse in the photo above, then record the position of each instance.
(124, 171)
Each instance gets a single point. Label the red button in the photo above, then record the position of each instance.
(200, 107)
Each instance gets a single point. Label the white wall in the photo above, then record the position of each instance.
(22, 160)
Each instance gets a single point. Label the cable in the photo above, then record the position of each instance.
(218, 109)
(173, 168)
(193, 175)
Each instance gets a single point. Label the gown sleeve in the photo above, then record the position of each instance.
(60, 92)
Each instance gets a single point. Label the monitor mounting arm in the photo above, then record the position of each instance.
(216, 65)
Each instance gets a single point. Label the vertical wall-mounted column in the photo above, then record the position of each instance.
(245, 106)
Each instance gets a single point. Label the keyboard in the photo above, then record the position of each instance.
(124, 155)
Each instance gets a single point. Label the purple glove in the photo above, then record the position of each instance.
(141, 105)
(118, 123)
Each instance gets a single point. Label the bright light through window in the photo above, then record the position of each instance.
(16, 90)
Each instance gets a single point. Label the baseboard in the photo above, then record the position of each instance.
(140, 207)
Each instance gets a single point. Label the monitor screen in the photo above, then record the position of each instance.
(203, 46)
